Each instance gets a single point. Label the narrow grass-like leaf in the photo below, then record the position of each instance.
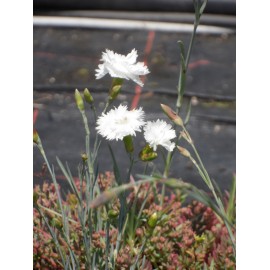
(132, 217)
(218, 191)
(143, 262)
(107, 244)
(188, 113)
(203, 6)
(74, 260)
(182, 75)
(199, 195)
(115, 168)
(141, 209)
(69, 178)
(96, 176)
(56, 213)
(212, 265)
(231, 203)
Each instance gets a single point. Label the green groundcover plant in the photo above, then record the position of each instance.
(114, 220)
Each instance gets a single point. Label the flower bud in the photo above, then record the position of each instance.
(147, 154)
(87, 96)
(84, 157)
(35, 137)
(79, 100)
(183, 151)
(112, 214)
(172, 115)
(128, 143)
(152, 221)
(116, 87)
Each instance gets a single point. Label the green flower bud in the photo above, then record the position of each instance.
(112, 214)
(79, 100)
(84, 157)
(147, 154)
(87, 96)
(128, 143)
(35, 137)
(152, 221)
(115, 88)
(172, 115)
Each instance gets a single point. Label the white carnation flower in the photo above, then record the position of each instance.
(120, 122)
(121, 66)
(159, 133)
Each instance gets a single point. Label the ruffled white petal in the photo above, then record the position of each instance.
(120, 122)
(121, 66)
(159, 133)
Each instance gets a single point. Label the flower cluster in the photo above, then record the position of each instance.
(120, 122)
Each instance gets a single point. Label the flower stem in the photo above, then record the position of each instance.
(107, 244)
(106, 105)
(87, 144)
(205, 176)
(181, 84)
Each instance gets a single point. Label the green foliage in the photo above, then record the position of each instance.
(169, 236)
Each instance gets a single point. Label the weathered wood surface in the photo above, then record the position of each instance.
(65, 59)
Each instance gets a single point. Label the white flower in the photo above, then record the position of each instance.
(120, 122)
(159, 133)
(121, 66)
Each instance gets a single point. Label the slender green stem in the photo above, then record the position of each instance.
(106, 105)
(204, 174)
(93, 107)
(107, 244)
(145, 168)
(165, 175)
(90, 165)
(169, 157)
(196, 23)
(53, 178)
(87, 144)
(181, 86)
(183, 70)
(167, 165)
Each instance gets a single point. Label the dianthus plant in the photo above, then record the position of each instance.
(121, 124)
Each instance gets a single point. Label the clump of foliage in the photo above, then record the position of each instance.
(168, 235)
